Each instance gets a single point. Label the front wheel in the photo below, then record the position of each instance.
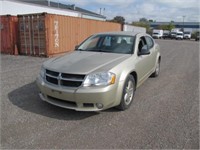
(128, 93)
(157, 70)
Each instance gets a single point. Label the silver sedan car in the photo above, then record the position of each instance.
(103, 72)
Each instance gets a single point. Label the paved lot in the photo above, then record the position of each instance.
(164, 114)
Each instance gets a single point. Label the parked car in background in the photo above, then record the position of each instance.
(174, 33)
(187, 35)
(166, 34)
(179, 35)
(104, 71)
(157, 34)
(197, 36)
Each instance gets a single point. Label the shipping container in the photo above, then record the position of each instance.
(127, 27)
(48, 34)
(9, 34)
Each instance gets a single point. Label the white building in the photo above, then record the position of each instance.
(20, 7)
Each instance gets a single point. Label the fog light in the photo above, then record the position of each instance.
(99, 106)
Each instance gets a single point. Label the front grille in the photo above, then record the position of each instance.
(52, 73)
(52, 80)
(64, 79)
(73, 76)
(70, 83)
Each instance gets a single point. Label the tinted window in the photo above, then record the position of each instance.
(142, 43)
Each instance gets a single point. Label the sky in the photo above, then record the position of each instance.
(133, 10)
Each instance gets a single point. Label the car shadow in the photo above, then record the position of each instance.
(27, 98)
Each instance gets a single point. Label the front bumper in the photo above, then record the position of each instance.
(80, 99)
(156, 37)
(186, 37)
(179, 37)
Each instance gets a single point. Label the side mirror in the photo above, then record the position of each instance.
(144, 51)
(76, 47)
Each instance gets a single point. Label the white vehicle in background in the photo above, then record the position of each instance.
(179, 35)
(174, 33)
(166, 34)
(157, 34)
(187, 35)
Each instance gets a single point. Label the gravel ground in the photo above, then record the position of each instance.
(164, 114)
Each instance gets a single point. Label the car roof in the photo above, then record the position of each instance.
(129, 33)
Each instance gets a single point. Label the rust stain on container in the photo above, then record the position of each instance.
(9, 33)
(48, 34)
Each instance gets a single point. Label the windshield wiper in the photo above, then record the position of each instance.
(100, 50)
(92, 50)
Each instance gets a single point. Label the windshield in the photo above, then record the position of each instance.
(109, 44)
(186, 32)
(155, 33)
(179, 33)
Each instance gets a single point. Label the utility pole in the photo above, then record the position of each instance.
(183, 22)
(103, 11)
(49, 2)
(100, 11)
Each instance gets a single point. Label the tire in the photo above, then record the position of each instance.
(128, 93)
(157, 70)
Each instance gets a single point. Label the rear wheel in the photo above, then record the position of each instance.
(128, 93)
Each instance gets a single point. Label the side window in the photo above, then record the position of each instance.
(150, 42)
(142, 43)
(107, 41)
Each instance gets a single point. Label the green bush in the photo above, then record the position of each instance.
(194, 34)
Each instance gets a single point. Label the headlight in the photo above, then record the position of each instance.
(100, 79)
(42, 72)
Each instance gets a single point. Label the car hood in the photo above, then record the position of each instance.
(79, 62)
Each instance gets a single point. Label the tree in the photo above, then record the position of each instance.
(143, 20)
(150, 20)
(169, 26)
(118, 19)
(142, 24)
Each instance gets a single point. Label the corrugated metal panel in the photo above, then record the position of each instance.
(38, 34)
(8, 26)
(32, 35)
(25, 35)
(134, 28)
(70, 31)
(55, 34)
